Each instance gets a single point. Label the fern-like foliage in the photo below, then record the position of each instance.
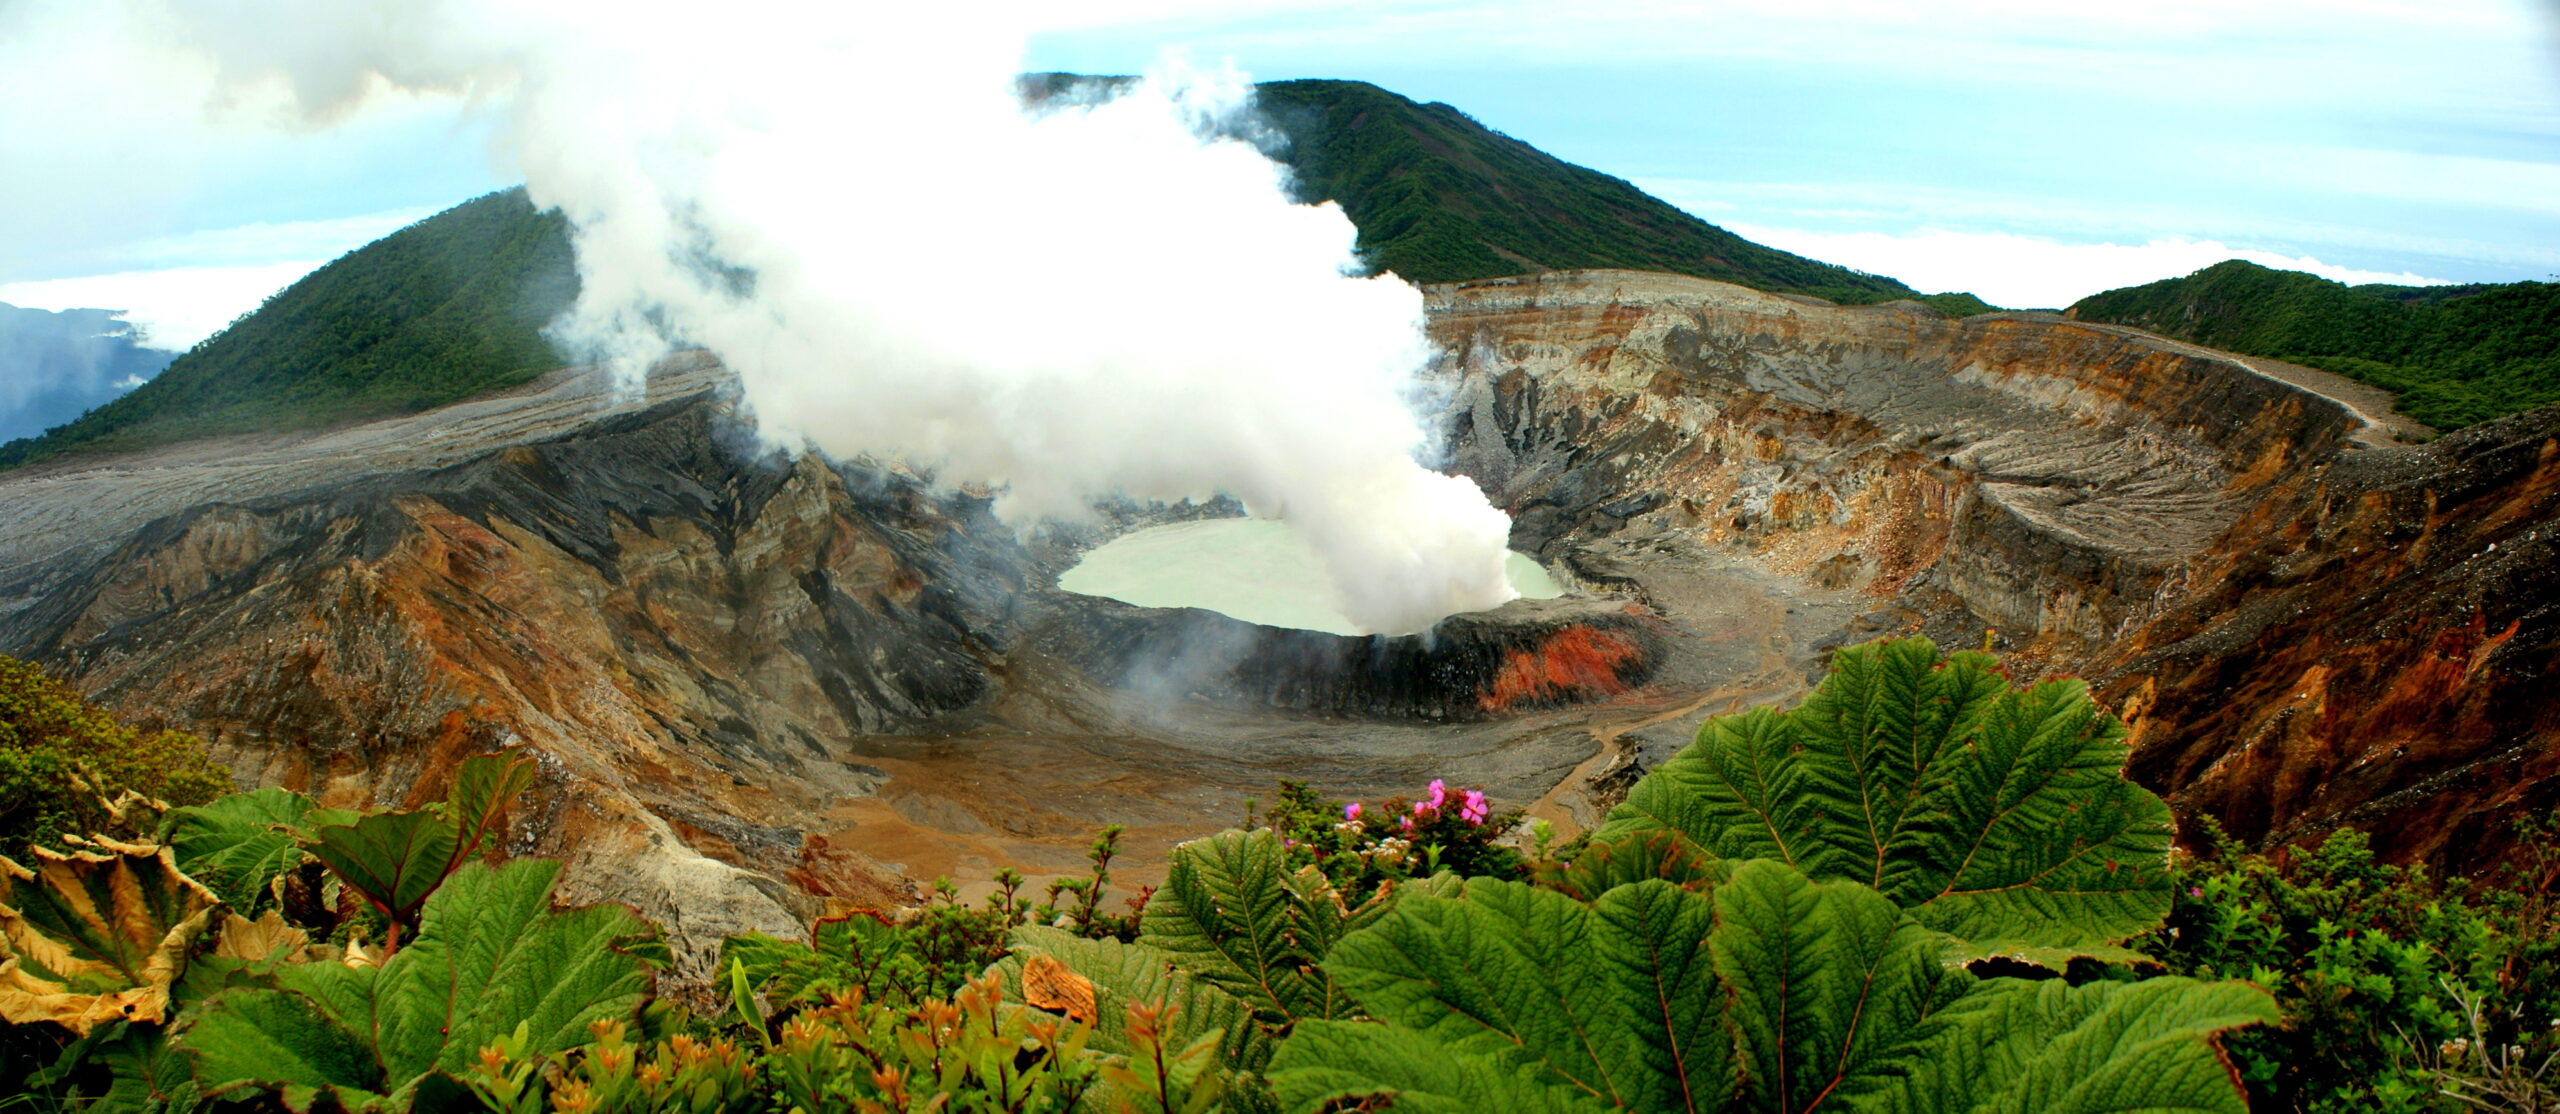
(2000, 816)
(239, 844)
(1232, 914)
(492, 960)
(1770, 992)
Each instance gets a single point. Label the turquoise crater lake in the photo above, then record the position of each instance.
(1254, 569)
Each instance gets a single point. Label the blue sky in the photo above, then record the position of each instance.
(2024, 150)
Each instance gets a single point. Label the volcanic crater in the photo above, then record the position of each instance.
(762, 685)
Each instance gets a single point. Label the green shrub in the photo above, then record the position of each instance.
(927, 954)
(65, 763)
(2382, 971)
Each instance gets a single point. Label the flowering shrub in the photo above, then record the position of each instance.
(1359, 846)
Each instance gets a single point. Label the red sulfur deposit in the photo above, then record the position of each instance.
(1576, 663)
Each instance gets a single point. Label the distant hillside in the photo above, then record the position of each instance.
(2456, 355)
(1439, 197)
(453, 306)
(55, 365)
(444, 309)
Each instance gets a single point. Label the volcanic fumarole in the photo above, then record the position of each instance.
(1164, 323)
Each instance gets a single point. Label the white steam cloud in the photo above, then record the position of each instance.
(849, 205)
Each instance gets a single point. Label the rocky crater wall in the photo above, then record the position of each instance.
(2305, 624)
(2052, 477)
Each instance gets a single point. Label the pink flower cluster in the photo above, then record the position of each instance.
(1470, 807)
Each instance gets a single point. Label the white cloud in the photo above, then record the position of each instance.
(2391, 54)
(2029, 272)
(180, 289)
(111, 143)
(268, 242)
(172, 308)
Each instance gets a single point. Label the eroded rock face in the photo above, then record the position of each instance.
(1527, 655)
(686, 635)
(2304, 625)
(2054, 477)
(2377, 644)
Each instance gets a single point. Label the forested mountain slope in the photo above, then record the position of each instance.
(2456, 355)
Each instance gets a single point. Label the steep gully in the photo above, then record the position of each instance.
(761, 685)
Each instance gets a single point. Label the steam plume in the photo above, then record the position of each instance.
(853, 210)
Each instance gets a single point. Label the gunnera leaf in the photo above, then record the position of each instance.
(96, 935)
(1632, 858)
(1233, 914)
(1614, 1002)
(395, 859)
(1772, 993)
(491, 954)
(239, 844)
(1999, 816)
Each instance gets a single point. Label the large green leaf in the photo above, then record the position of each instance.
(1772, 993)
(397, 859)
(238, 844)
(1630, 858)
(491, 954)
(1990, 813)
(1829, 985)
(2050, 1048)
(1328, 1060)
(483, 786)
(285, 1043)
(92, 936)
(1233, 914)
(143, 1074)
(394, 859)
(1613, 1000)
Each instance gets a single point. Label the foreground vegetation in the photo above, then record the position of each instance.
(1921, 890)
(2454, 355)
